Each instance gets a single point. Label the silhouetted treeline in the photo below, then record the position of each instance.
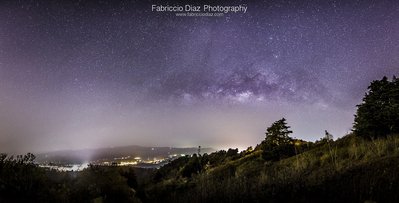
(21, 180)
(378, 114)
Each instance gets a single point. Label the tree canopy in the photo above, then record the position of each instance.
(278, 133)
(378, 114)
(278, 144)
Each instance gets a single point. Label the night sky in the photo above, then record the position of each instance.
(85, 74)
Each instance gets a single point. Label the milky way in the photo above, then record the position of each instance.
(82, 75)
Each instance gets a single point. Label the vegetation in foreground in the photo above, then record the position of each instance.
(358, 167)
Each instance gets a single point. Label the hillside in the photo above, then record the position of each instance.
(349, 169)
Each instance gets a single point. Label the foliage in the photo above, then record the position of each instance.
(378, 114)
(105, 183)
(363, 170)
(171, 170)
(21, 179)
(192, 167)
(278, 144)
(277, 133)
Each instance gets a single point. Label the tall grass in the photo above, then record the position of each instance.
(328, 165)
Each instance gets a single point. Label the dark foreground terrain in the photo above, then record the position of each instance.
(349, 169)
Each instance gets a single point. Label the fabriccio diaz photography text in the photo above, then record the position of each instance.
(200, 8)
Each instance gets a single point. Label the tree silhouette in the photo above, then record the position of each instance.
(278, 133)
(378, 114)
(278, 144)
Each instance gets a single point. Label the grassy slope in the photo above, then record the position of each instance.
(349, 169)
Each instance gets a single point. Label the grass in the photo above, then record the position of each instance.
(359, 166)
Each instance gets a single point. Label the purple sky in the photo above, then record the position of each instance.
(80, 75)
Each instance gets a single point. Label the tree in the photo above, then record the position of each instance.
(192, 167)
(232, 152)
(328, 137)
(278, 133)
(278, 144)
(378, 114)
